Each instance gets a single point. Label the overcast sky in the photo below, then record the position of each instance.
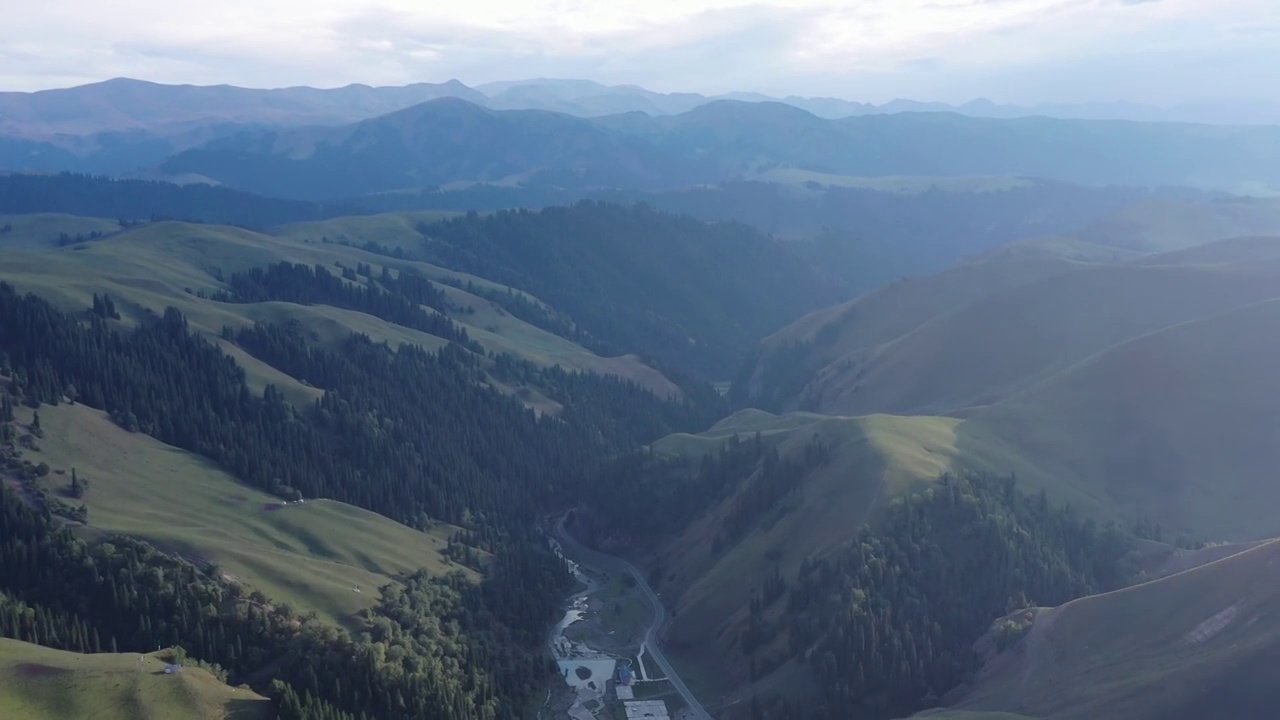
(1026, 51)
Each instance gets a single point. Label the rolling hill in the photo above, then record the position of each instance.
(1165, 225)
(329, 391)
(872, 231)
(124, 104)
(450, 140)
(990, 349)
(541, 286)
(1156, 365)
(790, 359)
(872, 461)
(1196, 644)
(1134, 387)
(141, 200)
(320, 555)
(38, 683)
(1178, 424)
(170, 263)
(690, 294)
(885, 351)
(436, 143)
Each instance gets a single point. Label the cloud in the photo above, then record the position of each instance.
(863, 49)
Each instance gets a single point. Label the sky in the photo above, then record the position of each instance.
(1159, 52)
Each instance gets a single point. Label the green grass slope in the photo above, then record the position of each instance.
(1202, 643)
(836, 344)
(874, 459)
(1177, 426)
(167, 263)
(1180, 425)
(1159, 226)
(38, 683)
(1005, 342)
(392, 230)
(38, 230)
(830, 335)
(310, 555)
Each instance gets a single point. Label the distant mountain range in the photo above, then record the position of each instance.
(450, 142)
(578, 137)
(124, 104)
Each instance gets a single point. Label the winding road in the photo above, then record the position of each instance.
(587, 556)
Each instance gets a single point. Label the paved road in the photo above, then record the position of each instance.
(608, 562)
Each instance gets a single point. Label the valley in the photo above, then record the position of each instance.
(592, 634)
(559, 400)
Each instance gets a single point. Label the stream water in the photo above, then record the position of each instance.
(586, 670)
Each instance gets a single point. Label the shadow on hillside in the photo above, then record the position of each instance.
(247, 709)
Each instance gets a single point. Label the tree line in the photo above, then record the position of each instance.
(888, 622)
(131, 200)
(396, 299)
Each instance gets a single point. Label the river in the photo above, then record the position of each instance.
(572, 656)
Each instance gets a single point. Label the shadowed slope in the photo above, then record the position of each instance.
(1180, 424)
(1194, 645)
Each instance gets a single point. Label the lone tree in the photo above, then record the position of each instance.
(78, 485)
(35, 425)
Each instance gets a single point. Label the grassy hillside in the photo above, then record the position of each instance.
(831, 344)
(38, 683)
(998, 325)
(312, 556)
(874, 459)
(1159, 226)
(1005, 342)
(1134, 391)
(392, 230)
(47, 229)
(1176, 427)
(1178, 424)
(691, 294)
(1197, 644)
(167, 263)
(789, 358)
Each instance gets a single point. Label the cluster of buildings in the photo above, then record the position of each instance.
(646, 710)
(624, 686)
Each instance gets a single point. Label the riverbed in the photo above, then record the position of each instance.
(586, 670)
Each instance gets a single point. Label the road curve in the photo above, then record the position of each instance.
(598, 559)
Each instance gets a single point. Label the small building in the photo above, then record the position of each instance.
(646, 710)
(625, 676)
